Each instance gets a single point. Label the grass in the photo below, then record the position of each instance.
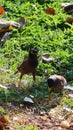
(50, 34)
(47, 33)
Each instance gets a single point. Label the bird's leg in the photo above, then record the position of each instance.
(34, 76)
(19, 83)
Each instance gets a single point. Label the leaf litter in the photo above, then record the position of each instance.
(28, 117)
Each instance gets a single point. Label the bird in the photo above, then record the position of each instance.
(28, 65)
(56, 83)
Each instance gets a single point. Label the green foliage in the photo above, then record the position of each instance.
(50, 34)
(31, 128)
(1, 110)
(68, 101)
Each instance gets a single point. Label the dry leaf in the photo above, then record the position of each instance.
(2, 11)
(9, 28)
(69, 20)
(3, 122)
(50, 11)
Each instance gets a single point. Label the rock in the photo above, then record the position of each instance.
(68, 7)
(28, 100)
(6, 36)
(68, 110)
(5, 23)
(46, 58)
(65, 124)
(68, 87)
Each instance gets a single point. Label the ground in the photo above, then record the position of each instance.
(27, 116)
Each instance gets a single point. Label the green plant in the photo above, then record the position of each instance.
(68, 101)
(50, 34)
(30, 127)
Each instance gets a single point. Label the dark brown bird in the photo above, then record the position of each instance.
(56, 83)
(28, 65)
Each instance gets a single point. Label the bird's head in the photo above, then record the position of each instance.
(33, 51)
(51, 82)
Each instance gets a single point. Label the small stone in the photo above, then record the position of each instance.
(65, 124)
